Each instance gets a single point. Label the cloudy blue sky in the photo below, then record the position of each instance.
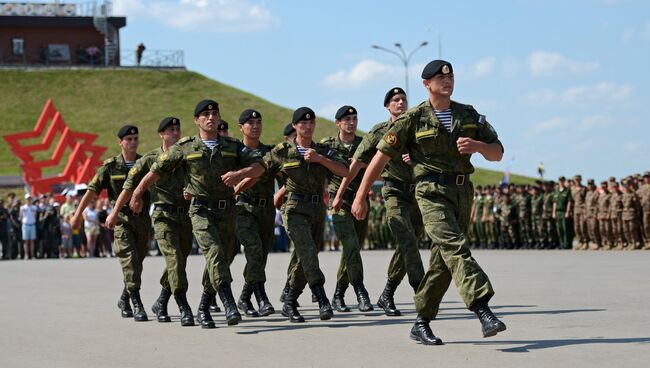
(564, 82)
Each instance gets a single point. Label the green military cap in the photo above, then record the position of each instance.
(392, 92)
(303, 113)
(288, 130)
(344, 111)
(170, 120)
(205, 105)
(437, 67)
(249, 114)
(612, 178)
(223, 125)
(127, 130)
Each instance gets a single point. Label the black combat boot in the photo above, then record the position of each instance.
(159, 307)
(125, 305)
(265, 307)
(490, 324)
(289, 308)
(324, 307)
(187, 318)
(244, 303)
(230, 307)
(422, 332)
(338, 301)
(283, 296)
(139, 313)
(203, 316)
(386, 301)
(362, 297)
(214, 307)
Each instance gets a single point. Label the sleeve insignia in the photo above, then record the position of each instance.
(391, 138)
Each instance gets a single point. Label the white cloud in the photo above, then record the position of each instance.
(632, 146)
(482, 67)
(542, 63)
(571, 125)
(550, 124)
(584, 95)
(362, 73)
(200, 15)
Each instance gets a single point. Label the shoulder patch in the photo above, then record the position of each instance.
(391, 138)
(109, 160)
(163, 156)
(281, 145)
(185, 140)
(482, 119)
(133, 171)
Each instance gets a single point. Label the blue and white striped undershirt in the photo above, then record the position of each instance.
(301, 150)
(210, 143)
(444, 116)
(129, 164)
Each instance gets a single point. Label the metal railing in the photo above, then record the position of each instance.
(153, 58)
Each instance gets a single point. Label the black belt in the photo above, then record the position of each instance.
(257, 202)
(220, 204)
(446, 179)
(312, 198)
(180, 210)
(399, 185)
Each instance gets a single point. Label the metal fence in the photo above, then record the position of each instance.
(153, 58)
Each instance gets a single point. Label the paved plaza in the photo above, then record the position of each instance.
(562, 309)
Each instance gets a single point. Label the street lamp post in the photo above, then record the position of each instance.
(403, 57)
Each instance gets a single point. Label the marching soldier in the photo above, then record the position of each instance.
(131, 229)
(440, 136)
(402, 214)
(350, 231)
(213, 165)
(172, 226)
(305, 166)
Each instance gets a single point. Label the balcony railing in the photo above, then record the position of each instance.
(153, 58)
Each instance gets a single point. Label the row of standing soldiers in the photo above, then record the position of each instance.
(550, 215)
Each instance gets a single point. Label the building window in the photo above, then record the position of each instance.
(18, 46)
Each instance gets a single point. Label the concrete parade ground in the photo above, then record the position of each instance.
(562, 309)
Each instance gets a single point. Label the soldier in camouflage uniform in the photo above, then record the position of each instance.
(615, 214)
(476, 228)
(132, 229)
(402, 214)
(508, 219)
(255, 222)
(350, 231)
(630, 216)
(524, 209)
(591, 215)
(305, 166)
(488, 219)
(644, 199)
(604, 224)
(548, 224)
(213, 165)
(562, 205)
(537, 210)
(579, 193)
(440, 136)
(172, 226)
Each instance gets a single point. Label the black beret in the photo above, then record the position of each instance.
(247, 114)
(170, 120)
(223, 125)
(436, 67)
(126, 130)
(288, 130)
(303, 113)
(205, 105)
(345, 111)
(392, 92)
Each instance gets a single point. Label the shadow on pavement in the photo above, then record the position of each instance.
(526, 346)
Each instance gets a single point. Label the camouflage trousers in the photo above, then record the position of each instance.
(173, 233)
(605, 230)
(215, 244)
(631, 232)
(525, 230)
(304, 222)
(131, 247)
(255, 227)
(616, 225)
(580, 227)
(592, 227)
(646, 227)
(549, 233)
(351, 234)
(445, 213)
(491, 233)
(405, 222)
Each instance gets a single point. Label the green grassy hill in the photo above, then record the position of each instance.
(100, 101)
